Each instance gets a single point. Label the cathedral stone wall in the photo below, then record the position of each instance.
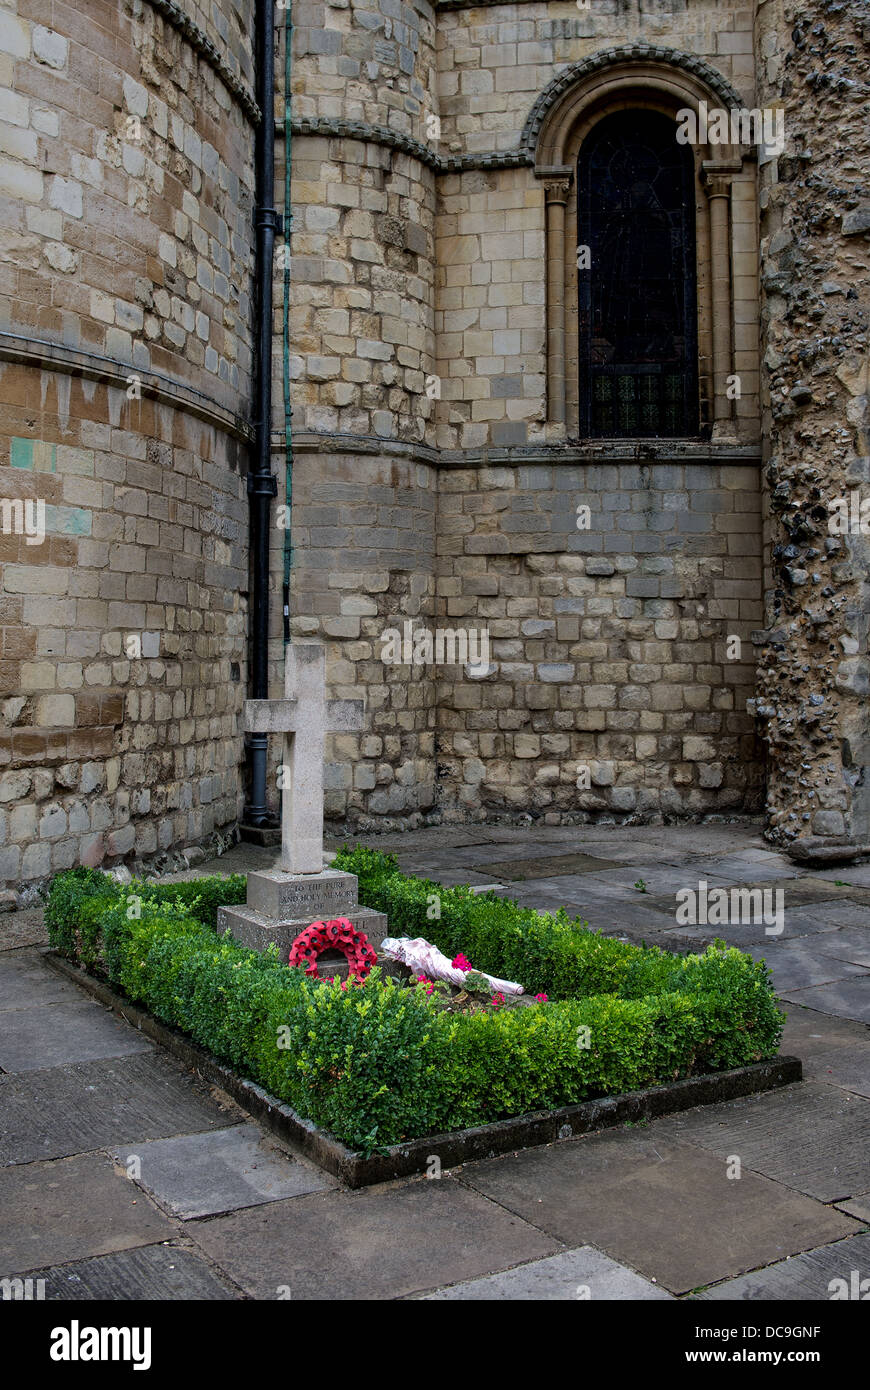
(493, 62)
(438, 479)
(361, 357)
(814, 679)
(613, 648)
(125, 370)
(419, 319)
(365, 528)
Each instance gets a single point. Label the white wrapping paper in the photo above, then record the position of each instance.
(427, 960)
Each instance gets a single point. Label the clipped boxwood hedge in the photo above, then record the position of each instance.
(377, 1063)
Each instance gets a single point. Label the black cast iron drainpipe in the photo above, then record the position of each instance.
(262, 484)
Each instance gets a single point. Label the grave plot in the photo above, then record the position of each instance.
(374, 1075)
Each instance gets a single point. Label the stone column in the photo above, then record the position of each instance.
(718, 187)
(556, 196)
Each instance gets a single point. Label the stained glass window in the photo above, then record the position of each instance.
(637, 301)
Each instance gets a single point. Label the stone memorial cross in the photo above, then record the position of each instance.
(304, 717)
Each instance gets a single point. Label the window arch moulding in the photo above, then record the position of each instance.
(564, 114)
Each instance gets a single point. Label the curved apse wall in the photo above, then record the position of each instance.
(126, 179)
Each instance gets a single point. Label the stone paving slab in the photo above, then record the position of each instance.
(433, 840)
(810, 1137)
(546, 867)
(808, 891)
(154, 1272)
(798, 966)
(26, 928)
(415, 862)
(745, 935)
(380, 1243)
(90, 1105)
(849, 943)
(575, 1274)
(220, 1170)
(665, 1208)
(845, 999)
(634, 919)
(615, 852)
(607, 915)
(697, 840)
(821, 920)
(806, 1277)
(25, 982)
(663, 882)
(55, 1034)
(859, 1207)
(665, 878)
(762, 855)
(846, 914)
(834, 1050)
(69, 1209)
(855, 875)
(593, 889)
(452, 878)
(755, 866)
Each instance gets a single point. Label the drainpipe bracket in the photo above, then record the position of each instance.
(262, 485)
(269, 217)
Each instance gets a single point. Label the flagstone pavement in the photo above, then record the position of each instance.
(122, 1176)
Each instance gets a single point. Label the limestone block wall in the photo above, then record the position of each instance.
(372, 62)
(613, 648)
(431, 481)
(814, 678)
(365, 528)
(129, 178)
(362, 319)
(362, 363)
(126, 181)
(492, 63)
(493, 255)
(491, 319)
(418, 341)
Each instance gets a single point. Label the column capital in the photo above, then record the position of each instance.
(718, 176)
(557, 190)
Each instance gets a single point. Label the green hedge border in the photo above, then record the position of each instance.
(376, 1064)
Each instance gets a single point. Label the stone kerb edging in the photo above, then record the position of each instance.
(463, 1145)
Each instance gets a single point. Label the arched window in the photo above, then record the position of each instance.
(637, 290)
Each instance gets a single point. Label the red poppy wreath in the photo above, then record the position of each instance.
(337, 935)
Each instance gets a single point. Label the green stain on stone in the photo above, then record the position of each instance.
(34, 454)
(68, 521)
(21, 453)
